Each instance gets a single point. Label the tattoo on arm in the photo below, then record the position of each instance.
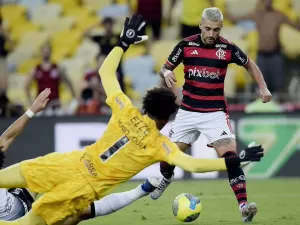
(222, 142)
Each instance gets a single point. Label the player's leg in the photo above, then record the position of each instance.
(184, 133)
(114, 202)
(221, 136)
(12, 177)
(30, 218)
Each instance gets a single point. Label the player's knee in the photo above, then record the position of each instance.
(225, 145)
(85, 214)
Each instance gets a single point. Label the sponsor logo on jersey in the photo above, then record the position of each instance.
(175, 57)
(193, 44)
(240, 57)
(237, 179)
(168, 150)
(221, 46)
(119, 102)
(204, 73)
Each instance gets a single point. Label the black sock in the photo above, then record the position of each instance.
(237, 180)
(166, 170)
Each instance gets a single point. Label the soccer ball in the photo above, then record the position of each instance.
(186, 207)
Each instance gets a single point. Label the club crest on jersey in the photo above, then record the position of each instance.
(221, 54)
(193, 44)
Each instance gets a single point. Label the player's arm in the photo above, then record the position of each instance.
(28, 84)
(108, 71)
(18, 126)
(174, 59)
(241, 59)
(171, 154)
(191, 164)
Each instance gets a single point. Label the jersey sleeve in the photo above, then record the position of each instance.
(170, 153)
(167, 150)
(238, 56)
(118, 102)
(176, 56)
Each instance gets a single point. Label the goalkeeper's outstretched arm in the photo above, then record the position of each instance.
(108, 71)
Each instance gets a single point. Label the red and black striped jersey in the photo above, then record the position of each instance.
(205, 69)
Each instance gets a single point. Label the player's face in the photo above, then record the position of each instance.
(46, 53)
(210, 31)
(108, 27)
(267, 4)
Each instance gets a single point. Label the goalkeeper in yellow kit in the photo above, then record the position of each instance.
(132, 141)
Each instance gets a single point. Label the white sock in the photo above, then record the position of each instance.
(117, 201)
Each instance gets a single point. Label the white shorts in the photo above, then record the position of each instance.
(188, 126)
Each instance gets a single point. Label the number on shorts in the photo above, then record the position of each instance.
(114, 148)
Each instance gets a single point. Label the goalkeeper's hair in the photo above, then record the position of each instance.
(2, 158)
(160, 103)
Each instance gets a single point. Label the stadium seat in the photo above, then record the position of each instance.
(96, 5)
(65, 43)
(289, 38)
(36, 38)
(114, 11)
(31, 4)
(74, 68)
(13, 12)
(59, 24)
(134, 51)
(87, 52)
(233, 34)
(66, 4)
(27, 66)
(20, 55)
(296, 6)
(282, 5)
(17, 32)
(241, 7)
(86, 22)
(16, 88)
(83, 17)
(45, 13)
(142, 66)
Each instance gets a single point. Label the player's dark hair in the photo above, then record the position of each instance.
(2, 158)
(160, 103)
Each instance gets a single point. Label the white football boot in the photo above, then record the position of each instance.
(248, 211)
(164, 183)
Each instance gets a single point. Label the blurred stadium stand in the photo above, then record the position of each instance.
(32, 23)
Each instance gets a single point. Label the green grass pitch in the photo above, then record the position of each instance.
(277, 200)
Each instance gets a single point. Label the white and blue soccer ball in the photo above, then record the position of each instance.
(187, 207)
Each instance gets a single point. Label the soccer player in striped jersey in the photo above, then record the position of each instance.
(203, 108)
